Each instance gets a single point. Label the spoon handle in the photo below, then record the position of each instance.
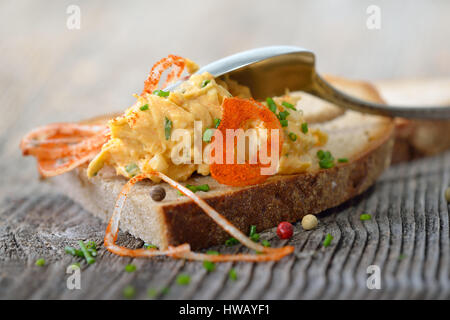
(322, 89)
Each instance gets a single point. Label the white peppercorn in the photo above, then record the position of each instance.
(309, 222)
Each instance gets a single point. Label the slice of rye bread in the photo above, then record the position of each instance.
(365, 140)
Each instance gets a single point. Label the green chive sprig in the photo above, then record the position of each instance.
(209, 266)
(132, 169)
(232, 274)
(150, 246)
(271, 104)
(90, 247)
(130, 268)
(129, 292)
(305, 127)
(265, 243)
(183, 279)
(167, 127)
(161, 93)
(208, 134)
(253, 234)
(231, 242)
(326, 160)
(40, 262)
(292, 136)
(327, 241)
(86, 253)
(288, 105)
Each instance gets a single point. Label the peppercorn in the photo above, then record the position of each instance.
(157, 193)
(285, 230)
(309, 222)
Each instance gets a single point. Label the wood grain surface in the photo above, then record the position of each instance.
(49, 73)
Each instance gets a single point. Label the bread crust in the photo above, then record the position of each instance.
(282, 198)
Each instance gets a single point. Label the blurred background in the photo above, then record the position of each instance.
(49, 72)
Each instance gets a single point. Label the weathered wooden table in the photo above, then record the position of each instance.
(49, 73)
(407, 238)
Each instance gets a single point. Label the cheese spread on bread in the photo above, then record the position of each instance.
(141, 138)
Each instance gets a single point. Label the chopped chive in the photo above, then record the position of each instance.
(342, 160)
(213, 252)
(209, 266)
(132, 169)
(70, 250)
(152, 292)
(78, 253)
(130, 268)
(183, 279)
(205, 83)
(282, 115)
(129, 292)
(288, 105)
(86, 253)
(144, 107)
(161, 93)
(91, 245)
(327, 241)
(232, 274)
(75, 265)
(365, 217)
(150, 246)
(167, 127)
(265, 243)
(284, 123)
(252, 230)
(305, 127)
(231, 242)
(40, 262)
(164, 291)
(271, 104)
(202, 187)
(326, 164)
(255, 237)
(320, 154)
(402, 256)
(326, 160)
(207, 135)
(216, 122)
(292, 136)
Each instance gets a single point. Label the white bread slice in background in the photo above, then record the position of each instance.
(365, 140)
(417, 138)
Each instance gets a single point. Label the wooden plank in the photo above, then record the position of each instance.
(405, 203)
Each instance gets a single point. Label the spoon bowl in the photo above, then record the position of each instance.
(269, 71)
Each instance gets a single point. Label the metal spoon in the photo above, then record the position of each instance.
(268, 71)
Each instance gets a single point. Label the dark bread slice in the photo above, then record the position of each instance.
(364, 139)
